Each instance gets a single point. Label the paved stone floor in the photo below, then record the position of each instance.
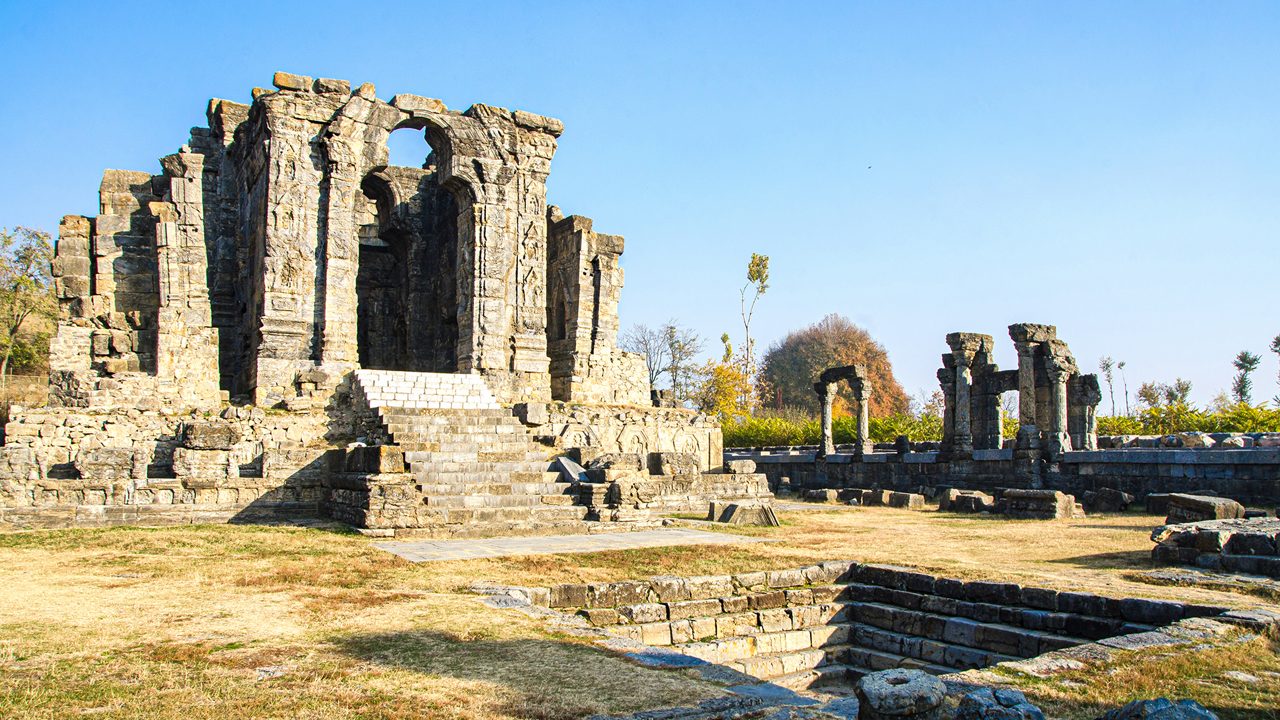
(435, 550)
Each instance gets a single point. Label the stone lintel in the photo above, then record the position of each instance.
(1032, 333)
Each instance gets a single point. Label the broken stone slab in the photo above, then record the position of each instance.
(569, 470)
(1037, 504)
(740, 467)
(1160, 709)
(1194, 508)
(996, 704)
(900, 694)
(741, 513)
(1196, 439)
(1107, 500)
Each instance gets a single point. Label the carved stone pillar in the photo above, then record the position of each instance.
(826, 395)
(1059, 440)
(862, 443)
(947, 381)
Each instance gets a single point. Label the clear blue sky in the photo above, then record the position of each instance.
(1111, 168)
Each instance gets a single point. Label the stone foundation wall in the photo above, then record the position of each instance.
(842, 616)
(644, 430)
(1250, 476)
(61, 467)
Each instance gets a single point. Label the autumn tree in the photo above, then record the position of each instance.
(723, 388)
(26, 288)
(791, 366)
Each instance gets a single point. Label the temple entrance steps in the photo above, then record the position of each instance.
(440, 391)
(468, 457)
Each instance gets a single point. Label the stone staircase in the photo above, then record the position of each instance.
(471, 460)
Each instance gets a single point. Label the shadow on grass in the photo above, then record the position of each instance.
(1126, 559)
(542, 679)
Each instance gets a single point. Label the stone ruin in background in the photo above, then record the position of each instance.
(1057, 406)
(282, 321)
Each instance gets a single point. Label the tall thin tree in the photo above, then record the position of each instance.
(1108, 368)
(1242, 386)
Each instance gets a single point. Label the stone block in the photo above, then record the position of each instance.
(105, 464)
(1194, 508)
(740, 467)
(643, 613)
(289, 81)
(409, 103)
(693, 608)
(329, 85)
(675, 464)
(707, 587)
(568, 596)
(601, 617)
(908, 501)
(210, 435)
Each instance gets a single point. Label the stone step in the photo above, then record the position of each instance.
(493, 501)
(399, 427)
(980, 637)
(540, 513)
(450, 462)
(768, 666)
(484, 488)
(835, 675)
(935, 652)
(424, 391)
(429, 415)
(864, 661)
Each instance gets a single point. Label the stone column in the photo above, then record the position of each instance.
(826, 395)
(964, 350)
(947, 381)
(862, 443)
(1059, 440)
(1028, 429)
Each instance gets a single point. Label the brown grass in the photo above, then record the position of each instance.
(247, 621)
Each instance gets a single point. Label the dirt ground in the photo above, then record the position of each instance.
(277, 622)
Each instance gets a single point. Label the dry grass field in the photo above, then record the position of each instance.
(274, 622)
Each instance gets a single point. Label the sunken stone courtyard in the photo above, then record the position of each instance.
(331, 437)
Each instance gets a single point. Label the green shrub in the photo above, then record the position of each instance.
(758, 431)
(1182, 417)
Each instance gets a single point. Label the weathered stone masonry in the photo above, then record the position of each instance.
(278, 252)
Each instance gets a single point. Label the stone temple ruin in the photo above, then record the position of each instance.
(281, 322)
(1056, 454)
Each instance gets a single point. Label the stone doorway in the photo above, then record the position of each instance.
(406, 283)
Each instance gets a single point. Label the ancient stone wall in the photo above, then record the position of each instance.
(584, 285)
(243, 257)
(60, 468)
(1249, 476)
(595, 430)
(800, 626)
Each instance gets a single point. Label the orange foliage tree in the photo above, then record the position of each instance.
(792, 365)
